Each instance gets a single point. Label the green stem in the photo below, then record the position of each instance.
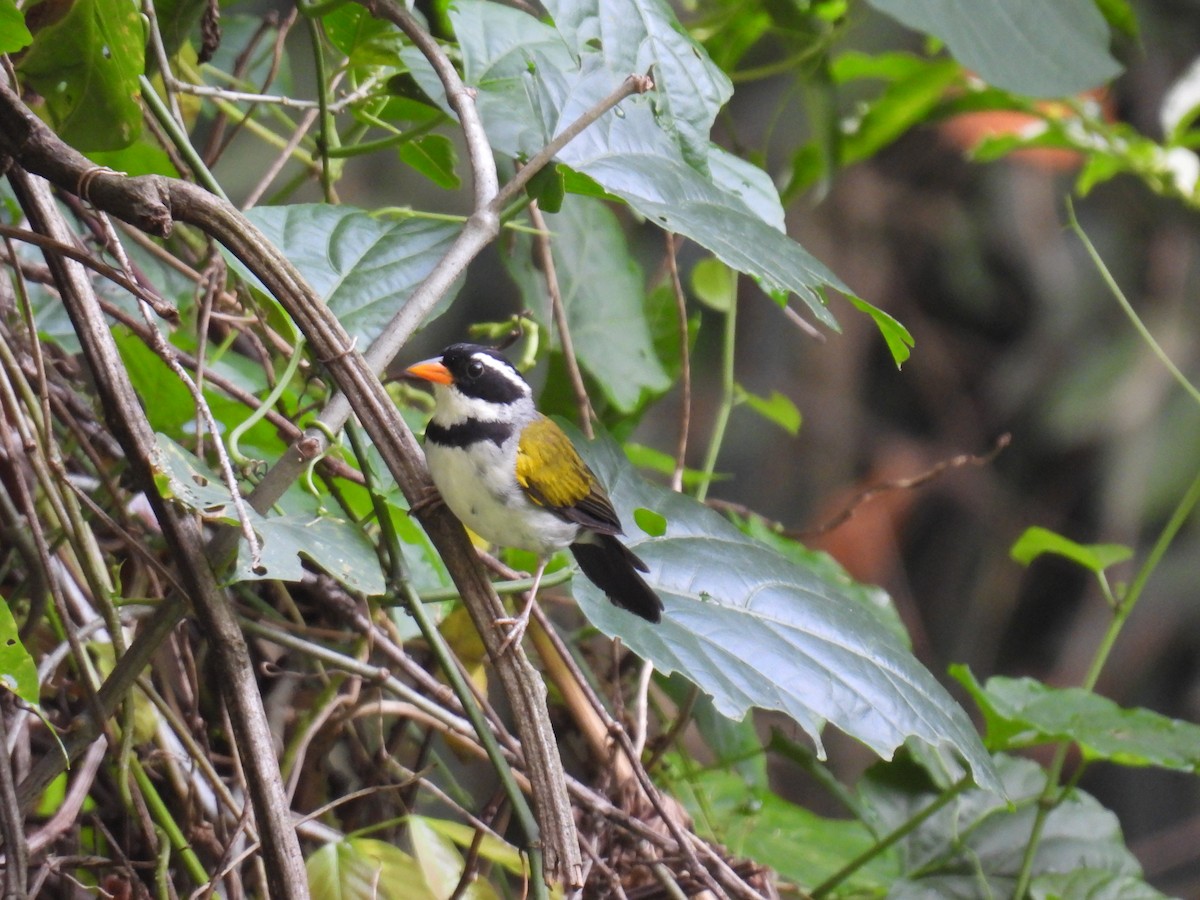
(399, 581)
(1051, 795)
(163, 818)
(1127, 307)
(727, 399)
(235, 436)
(179, 137)
(907, 828)
(329, 137)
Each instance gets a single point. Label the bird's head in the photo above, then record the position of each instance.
(474, 382)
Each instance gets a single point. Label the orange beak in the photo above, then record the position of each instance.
(430, 370)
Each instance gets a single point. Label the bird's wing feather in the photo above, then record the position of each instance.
(553, 475)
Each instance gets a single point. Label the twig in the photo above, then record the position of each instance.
(185, 539)
(902, 484)
(545, 255)
(685, 363)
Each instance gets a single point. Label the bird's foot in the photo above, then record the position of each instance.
(516, 626)
(430, 499)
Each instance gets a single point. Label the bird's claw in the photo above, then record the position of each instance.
(516, 626)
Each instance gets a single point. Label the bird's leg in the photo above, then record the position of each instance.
(517, 624)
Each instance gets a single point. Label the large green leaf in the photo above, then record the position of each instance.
(362, 267)
(85, 62)
(973, 847)
(602, 292)
(1021, 712)
(1046, 48)
(1091, 884)
(532, 83)
(755, 629)
(639, 36)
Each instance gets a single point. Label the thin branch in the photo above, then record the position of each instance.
(685, 363)
(545, 257)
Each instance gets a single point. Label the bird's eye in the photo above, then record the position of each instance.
(474, 368)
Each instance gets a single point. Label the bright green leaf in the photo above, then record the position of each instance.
(755, 629)
(664, 463)
(365, 869)
(488, 847)
(1036, 541)
(434, 157)
(800, 846)
(900, 342)
(1045, 48)
(1021, 712)
(85, 63)
(714, 284)
(1119, 15)
(13, 33)
(363, 268)
(904, 103)
(17, 670)
(778, 408)
(650, 522)
(363, 38)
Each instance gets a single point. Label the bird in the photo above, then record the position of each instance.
(512, 476)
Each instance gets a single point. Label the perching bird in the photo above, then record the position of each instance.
(514, 478)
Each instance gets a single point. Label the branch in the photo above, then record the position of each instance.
(281, 851)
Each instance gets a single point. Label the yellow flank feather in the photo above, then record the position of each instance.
(549, 469)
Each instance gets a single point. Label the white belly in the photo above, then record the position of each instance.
(493, 505)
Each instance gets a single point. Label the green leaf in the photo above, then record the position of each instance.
(974, 845)
(85, 62)
(1094, 557)
(904, 103)
(1045, 48)
(601, 287)
(900, 342)
(339, 547)
(1021, 712)
(800, 846)
(18, 673)
(874, 600)
(140, 158)
(548, 188)
(650, 521)
(365, 869)
(664, 463)
(777, 408)
(13, 33)
(363, 268)
(634, 37)
(441, 862)
(434, 157)
(488, 847)
(531, 84)
(364, 39)
(754, 629)
(1119, 15)
(714, 284)
(1091, 884)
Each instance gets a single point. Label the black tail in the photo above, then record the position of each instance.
(613, 568)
